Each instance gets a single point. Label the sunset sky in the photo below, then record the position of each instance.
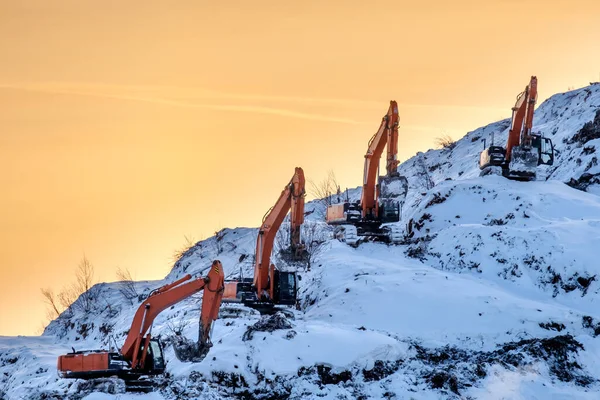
(125, 125)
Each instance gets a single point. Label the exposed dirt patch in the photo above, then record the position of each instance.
(451, 369)
(584, 181)
(552, 326)
(589, 131)
(270, 323)
(380, 370)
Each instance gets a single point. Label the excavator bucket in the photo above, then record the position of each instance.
(523, 163)
(393, 187)
(186, 350)
(392, 194)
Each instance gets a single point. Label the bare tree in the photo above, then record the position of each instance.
(67, 297)
(325, 190)
(82, 290)
(53, 303)
(445, 142)
(423, 172)
(127, 284)
(84, 280)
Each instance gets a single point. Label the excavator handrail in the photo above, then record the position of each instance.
(265, 215)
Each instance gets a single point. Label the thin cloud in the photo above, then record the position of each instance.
(181, 96)
(51, 88)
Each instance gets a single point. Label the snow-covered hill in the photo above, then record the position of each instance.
(495, 296)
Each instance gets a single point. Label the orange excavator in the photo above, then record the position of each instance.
(272, 286)
(381, 196)
(524, 150)
(141, 354)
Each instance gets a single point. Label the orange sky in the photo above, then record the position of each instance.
(126, 125)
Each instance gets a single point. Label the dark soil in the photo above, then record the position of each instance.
(267, 324)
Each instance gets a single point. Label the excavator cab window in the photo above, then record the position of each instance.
(286, 287)
(545, 149)
(389, 211)
(155, 360)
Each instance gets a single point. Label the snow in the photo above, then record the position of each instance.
(495, 296)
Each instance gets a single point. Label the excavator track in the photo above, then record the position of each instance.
(394, 233)
(347, 234)
(135, 383)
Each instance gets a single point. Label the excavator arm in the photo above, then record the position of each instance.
(297, 193)
(165, 297)
(522, 118)
(291, 199)
(386, 134)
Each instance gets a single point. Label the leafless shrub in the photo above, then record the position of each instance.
(423, 172)
(218, 243)
(177, 325)
(445, 142)
(127, 285)
(315, 238)
(188, 244)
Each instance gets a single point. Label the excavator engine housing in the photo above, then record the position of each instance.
(343, 213)
(101, 363)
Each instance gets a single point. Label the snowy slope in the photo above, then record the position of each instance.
(494, 296)
(536, 235)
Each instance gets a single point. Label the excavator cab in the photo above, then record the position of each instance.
(285, 287)
(155, 361)
(389, 211)
(545, 149)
